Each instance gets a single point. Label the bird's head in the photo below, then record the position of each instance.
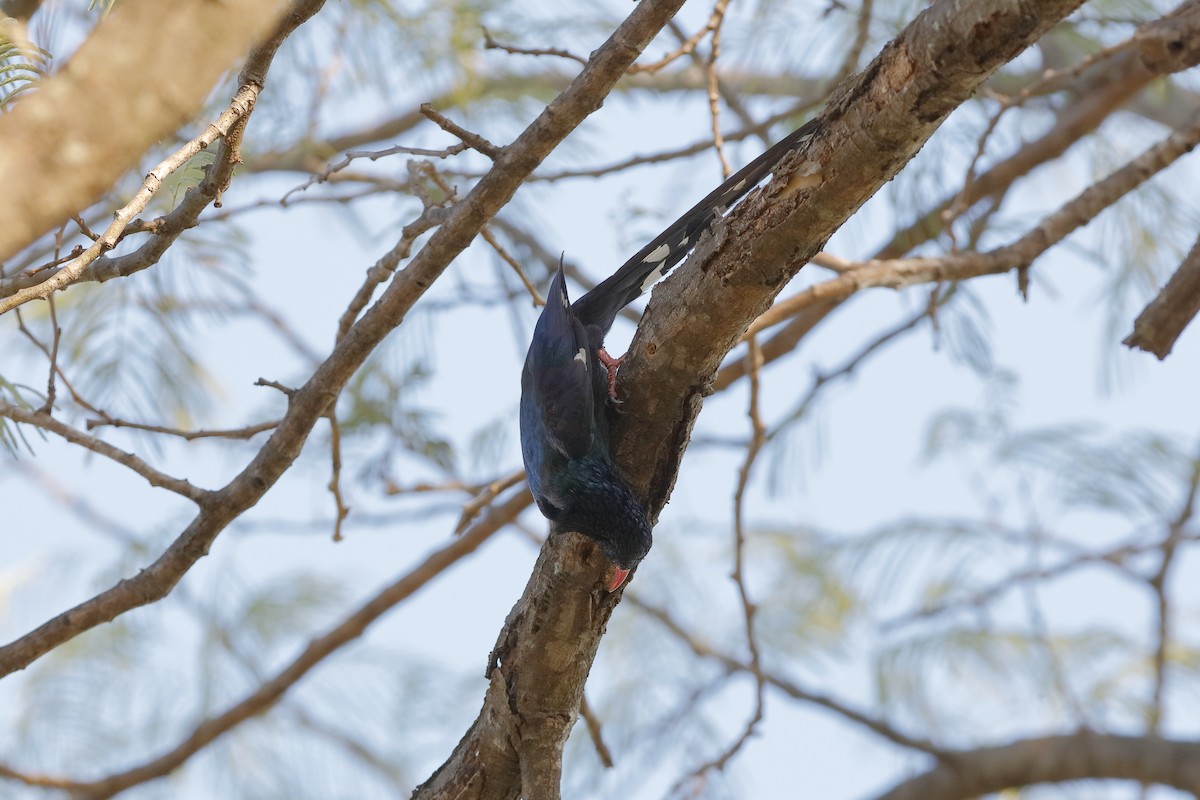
(602, 507)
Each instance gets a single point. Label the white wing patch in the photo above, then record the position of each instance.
(581, 356)
(658, 254)
(654, 275)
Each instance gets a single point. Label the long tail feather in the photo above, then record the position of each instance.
(599, 307)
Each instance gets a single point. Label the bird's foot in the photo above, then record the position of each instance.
(611, 364)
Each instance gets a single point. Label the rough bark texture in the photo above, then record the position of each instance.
(876, 125)
(144, 72)
(536, 672)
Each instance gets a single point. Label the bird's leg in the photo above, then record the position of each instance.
(611, 364)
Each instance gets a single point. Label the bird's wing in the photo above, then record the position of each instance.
(599, 307)
(560, 366)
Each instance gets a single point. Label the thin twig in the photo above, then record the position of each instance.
(374, 155)
(491, 44)
(51, 389)
(287, 391)
(469, 138)
(754, 363)
(314, 653)
(240, 107)
(507, 258)
(593, 729)
(485, 498)
(48, 423)
(689, 44)
(227, 433)
(714, 92)
(335, 478)
(490, 238)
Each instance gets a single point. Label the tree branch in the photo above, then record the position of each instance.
(1081, 210)
(229, 127)
(43, 420)
(64, 146)
(1055, 759)
(1162, 321)
(1107, 85)
(317, 650)
(309, 403)
(873, 126)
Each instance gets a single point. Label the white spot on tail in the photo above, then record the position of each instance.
(658, 254)
(653, 277)
(737, 186)
(581, 356)
(683, 241)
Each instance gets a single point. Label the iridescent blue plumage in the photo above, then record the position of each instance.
(565, 387)
(565, 437)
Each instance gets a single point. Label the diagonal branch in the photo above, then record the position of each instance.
(43, 420)
(1161, 322)
(21, 289)
(1056, 759)
(317, 650)
(899, 273)
(873, 126)
(91, 122)
(93, 264)
(309, 403)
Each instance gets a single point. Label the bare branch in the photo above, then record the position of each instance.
(309, 403)
(341, 510)
(484, 498)
(714, 90)
(688, 46)
(317, 650)
(593, 729)
(1076, 213)
(469, 138)
(491, 44)
(41, 419)
(248, 432)
(789, 688)
(1055, 759)
(1161, 322)
(74, 163)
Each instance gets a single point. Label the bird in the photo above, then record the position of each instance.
(568, 381)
